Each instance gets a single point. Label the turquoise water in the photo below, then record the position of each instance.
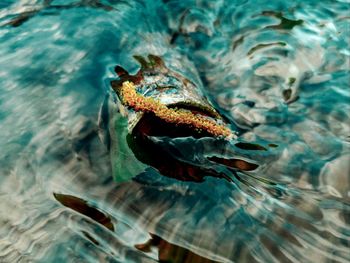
(278, 71)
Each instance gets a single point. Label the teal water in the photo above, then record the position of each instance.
(278, 71)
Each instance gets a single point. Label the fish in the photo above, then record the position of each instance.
(146, 112)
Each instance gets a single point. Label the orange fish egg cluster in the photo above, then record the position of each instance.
(177, 116)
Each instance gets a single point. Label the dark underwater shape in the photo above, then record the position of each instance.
(81, 206)
(285, 24)
(168, 252)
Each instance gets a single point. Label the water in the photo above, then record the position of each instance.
(278, 71)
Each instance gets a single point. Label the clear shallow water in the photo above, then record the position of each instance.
(278, 71)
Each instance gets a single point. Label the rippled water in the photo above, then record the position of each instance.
(278, 71)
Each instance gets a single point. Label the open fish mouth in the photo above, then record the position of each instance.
(162, 102)
(158, 102)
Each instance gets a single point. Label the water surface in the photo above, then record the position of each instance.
(278, 71)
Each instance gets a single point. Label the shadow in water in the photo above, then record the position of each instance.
(81, 206)
(168, 252)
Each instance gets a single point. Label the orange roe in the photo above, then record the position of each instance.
(177, 116)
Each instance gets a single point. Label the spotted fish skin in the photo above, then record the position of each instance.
(156, 80)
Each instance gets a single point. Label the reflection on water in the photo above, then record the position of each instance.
(278, 73)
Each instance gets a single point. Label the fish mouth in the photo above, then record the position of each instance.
(159, 102)
(167, 99)
(151, 125)
(190, 114)
(153, 154)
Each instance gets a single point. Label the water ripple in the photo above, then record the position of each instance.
(277, 71)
